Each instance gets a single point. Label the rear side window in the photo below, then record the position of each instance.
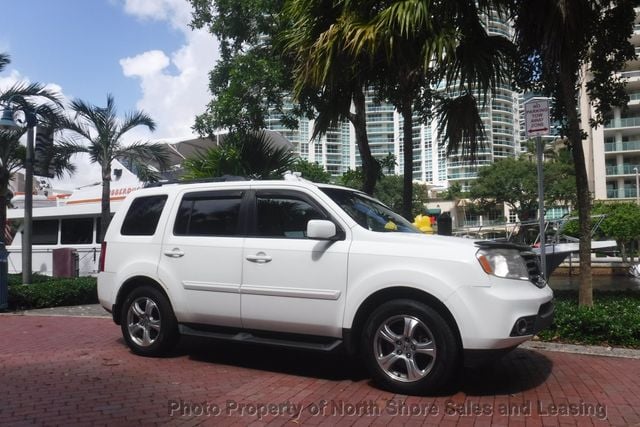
(208, 214)
(143, 216)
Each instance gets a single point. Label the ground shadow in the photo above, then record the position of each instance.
(514, 373)
(518, 371)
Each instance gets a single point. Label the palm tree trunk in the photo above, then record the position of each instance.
(370, 167)
(105, 216)
(585, 294)
(407, 132)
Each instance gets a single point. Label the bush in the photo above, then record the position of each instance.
(613, 320)
(51, 292)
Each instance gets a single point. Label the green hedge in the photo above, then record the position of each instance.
(613, 320)
(49, 292)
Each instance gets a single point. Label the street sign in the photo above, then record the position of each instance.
(536, 117)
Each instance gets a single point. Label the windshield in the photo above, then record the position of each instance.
(368, 212)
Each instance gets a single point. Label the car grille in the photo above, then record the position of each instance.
(533, 267)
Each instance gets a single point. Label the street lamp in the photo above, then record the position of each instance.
(637, 186)
(8, 122)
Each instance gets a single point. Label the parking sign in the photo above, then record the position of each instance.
(536, 116)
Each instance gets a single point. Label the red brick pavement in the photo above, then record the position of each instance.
(77, 371)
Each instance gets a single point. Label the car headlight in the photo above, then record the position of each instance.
(505, 263)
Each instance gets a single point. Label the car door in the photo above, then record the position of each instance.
(292, 283)
(202, 257)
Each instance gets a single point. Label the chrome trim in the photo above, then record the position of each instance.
(322, 294)
(212, 287)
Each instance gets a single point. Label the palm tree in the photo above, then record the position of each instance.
(418, 44)
(327, 75)
(252, 155)
(557, 41)
(37, 99)
(401, 47)
(104, 132)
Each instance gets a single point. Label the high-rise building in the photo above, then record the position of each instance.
(337, 150)
(612, 151)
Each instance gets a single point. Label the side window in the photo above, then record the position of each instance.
(284, 216)
(76, 231)
(208, 214)
(45, 232)
(143, 216)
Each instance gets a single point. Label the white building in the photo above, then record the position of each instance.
(613, 150)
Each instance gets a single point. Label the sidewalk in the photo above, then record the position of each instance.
(96, 310)
(65, 370)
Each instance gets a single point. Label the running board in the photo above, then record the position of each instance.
(247, 337)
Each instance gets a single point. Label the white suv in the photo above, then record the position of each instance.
(296, 264)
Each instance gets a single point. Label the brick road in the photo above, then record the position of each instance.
(77, 371)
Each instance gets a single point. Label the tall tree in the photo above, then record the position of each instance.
(251, 78)
(566, 45)
(104, 131)
(328, 76)
(402, 48)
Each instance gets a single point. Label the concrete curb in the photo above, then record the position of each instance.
(592, 350)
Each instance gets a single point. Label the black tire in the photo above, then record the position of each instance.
(148, 324)
(409, 348)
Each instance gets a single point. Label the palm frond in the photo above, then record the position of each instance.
(145, 152)
(4, 60)
(25, 94)
(460, 125)
(133, 120)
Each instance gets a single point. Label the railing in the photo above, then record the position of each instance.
(623, 123)
(622, 146)
(622, 169)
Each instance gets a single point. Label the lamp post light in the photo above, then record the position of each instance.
(8, 122)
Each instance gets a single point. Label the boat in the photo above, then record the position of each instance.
(66, 221)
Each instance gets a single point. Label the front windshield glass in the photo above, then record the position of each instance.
(369, 213)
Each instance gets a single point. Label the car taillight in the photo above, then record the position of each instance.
(103, 255)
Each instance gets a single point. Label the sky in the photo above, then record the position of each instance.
(143, 52)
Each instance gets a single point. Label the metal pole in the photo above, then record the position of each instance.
(28, 202)
(542, 240)
(637, 186)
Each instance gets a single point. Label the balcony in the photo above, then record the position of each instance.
(610, 147)
(621, 193)
(621, 170)
(623, 123)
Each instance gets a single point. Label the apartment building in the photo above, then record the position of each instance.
(613, 150)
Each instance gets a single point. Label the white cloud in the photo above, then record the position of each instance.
(148, 63)
(173, 96)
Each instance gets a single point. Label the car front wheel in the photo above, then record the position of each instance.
(148, 324)
(409, 348)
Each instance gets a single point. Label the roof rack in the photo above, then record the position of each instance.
(223, 178)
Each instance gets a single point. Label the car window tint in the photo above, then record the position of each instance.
(284, 216)
(212, 216)
(143, 216)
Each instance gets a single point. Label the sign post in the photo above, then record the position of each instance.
(536, 117)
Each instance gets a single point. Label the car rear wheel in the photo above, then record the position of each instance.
(409, 348)
(148, 324)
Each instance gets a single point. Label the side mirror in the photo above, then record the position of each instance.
(321, 229)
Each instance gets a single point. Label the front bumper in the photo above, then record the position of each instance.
(502, 314)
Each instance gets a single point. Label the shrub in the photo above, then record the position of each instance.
(51, 292)
(613, 320)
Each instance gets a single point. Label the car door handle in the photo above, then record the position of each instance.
(174, 253)
(260, 258)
